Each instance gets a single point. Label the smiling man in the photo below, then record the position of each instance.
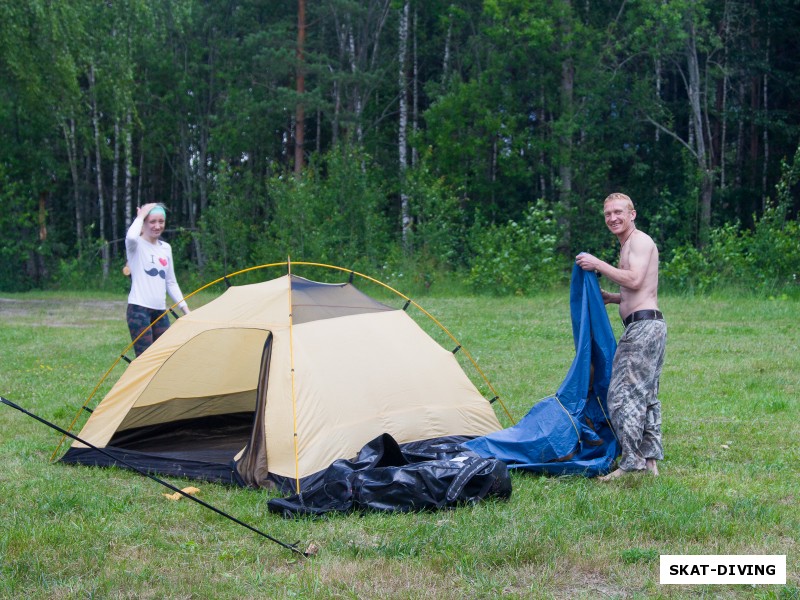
(633, 404)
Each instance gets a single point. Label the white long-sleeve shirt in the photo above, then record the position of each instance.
(152, 271)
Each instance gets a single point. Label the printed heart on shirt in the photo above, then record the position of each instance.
(163, 261)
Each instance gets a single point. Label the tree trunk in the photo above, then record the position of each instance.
(128, 169)
(42, 217)
(337, 110)
(202, 173)
(415, 89)
(99, 175)
(405, 215)
(72, 157)
(567, 110)
(765, 120)
(358, 103)
(447, 41)
(189, 196)
(140, 181)
(699, 120)
(658, 91)
(739, 147)
(318, 141)
(115, 188)
(300, 117)
(722, 97)
(359, 53)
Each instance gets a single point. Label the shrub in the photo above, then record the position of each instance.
(232, 224)
(438, 227)
(764, 259)
(331, 215)
(517, 257)
(21, 252)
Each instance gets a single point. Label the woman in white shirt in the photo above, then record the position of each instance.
(152, 276)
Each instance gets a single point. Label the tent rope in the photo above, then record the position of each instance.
(571, 420)
(603, 410)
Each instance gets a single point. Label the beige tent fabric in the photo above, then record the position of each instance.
(194, 346)
(357, 376)
(360, 376)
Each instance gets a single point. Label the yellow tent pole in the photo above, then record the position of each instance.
(294, 393)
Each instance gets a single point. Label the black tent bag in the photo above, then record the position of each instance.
(385, 476)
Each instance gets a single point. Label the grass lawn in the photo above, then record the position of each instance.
(729, 483)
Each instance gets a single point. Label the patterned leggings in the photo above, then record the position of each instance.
(633, 393)
(139, 319)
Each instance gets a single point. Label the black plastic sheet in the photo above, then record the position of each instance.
(426, 475)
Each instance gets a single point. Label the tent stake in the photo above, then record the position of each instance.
(292, 547)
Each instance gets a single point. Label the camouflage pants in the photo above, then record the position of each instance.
(633, 404)
(139, 319)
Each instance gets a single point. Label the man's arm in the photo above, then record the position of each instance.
(631, 278)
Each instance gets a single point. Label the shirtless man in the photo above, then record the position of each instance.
(633, 391)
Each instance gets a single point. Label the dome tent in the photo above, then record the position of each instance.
(270, 383)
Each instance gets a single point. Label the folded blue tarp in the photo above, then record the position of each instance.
(569, 433)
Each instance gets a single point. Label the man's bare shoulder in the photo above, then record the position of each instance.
(641, 238)
(641, 243)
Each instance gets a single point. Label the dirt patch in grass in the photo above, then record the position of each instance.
(60, 312)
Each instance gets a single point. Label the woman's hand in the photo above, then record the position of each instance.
(143, 211)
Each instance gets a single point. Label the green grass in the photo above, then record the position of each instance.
(729, 482)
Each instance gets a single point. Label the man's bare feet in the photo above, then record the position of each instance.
(652, 466)
(652, 469)
(614, 475)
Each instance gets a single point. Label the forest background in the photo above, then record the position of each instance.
(432, 144)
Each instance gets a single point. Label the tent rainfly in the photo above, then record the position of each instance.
(270, 383)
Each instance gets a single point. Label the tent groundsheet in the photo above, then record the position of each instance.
(568, 433)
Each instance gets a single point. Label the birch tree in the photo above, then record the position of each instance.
(679, 34)
(402, 137)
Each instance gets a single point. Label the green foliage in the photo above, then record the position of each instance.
(461, 129)
(438, 220)
(233, 222)
(512, 100)
(516, 257)
(331, 215)
(764, 259)
(18, 222)
(788, 183)
(85, 273)
(661, 209)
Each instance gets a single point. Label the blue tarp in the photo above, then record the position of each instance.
(568, 434)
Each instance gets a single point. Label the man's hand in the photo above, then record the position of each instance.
(608, 297)
(587, 262)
